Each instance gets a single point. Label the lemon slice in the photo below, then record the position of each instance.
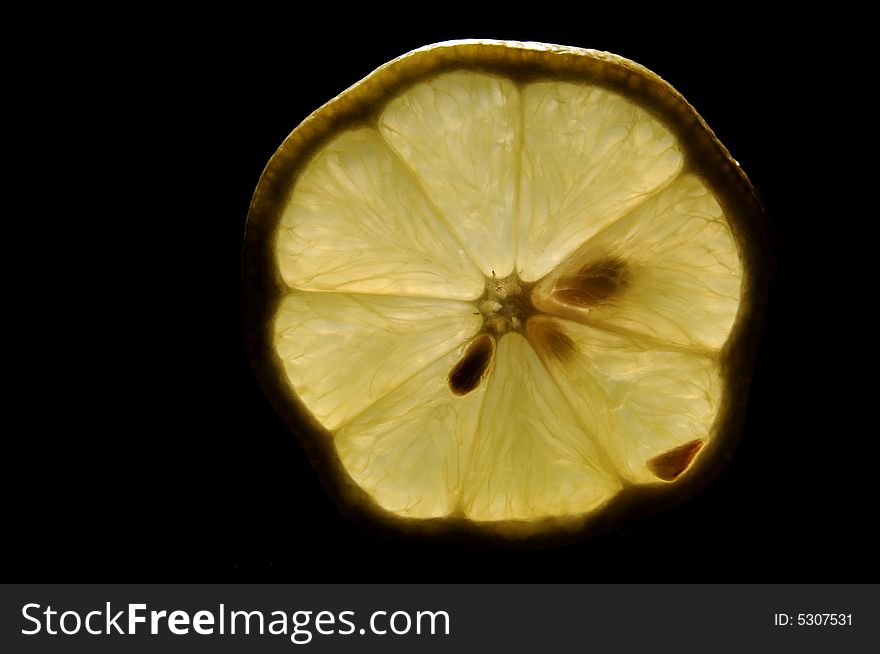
(507, 287)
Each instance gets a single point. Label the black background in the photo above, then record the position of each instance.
(149, 454)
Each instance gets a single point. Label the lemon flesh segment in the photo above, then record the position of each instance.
(680, 273)
(357, 221)
(639, 402)
(532, 458)
(588, 156)
(407, 450)
(342, 352)
(459, 134)
(507, 451)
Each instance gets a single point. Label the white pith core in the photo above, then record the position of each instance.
(505, 304)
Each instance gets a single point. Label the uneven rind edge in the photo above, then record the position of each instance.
(263, 288)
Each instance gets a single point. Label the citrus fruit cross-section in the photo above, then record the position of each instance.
(507, 287)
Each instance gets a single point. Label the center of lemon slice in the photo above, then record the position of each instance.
(505, 305)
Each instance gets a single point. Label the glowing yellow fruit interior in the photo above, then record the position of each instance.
(625, 264)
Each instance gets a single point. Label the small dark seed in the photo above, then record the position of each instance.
(593, 284)
(468, 372)
(671, 464)
(548, 339)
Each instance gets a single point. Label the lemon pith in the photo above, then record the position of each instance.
(505, 298)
